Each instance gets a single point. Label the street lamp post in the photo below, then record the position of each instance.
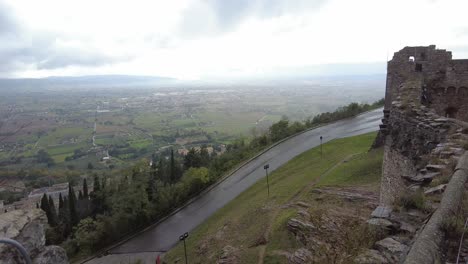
(268, 183)
(321, 153)
(182, 238)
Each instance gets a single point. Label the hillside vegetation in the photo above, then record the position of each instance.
(339, 188)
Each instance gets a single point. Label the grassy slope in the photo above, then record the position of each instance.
(245, 219)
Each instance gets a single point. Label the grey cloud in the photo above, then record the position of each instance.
(21, 49)
(217, 16)
(42, 52)
(7, 22)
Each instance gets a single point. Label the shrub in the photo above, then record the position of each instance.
(453, 227)
(413, 200)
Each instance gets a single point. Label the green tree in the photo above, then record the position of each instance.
(97, 184)
(53, 212)
(43, 157)
(151, 188)
(279, 130)
(192, 159)
(172, 168)
(204, 156)
(97, 197)
(72, 206)
(45, 206)
(60, 201)
(85, 189)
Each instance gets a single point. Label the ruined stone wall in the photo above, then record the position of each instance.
(426, 134)
(411, 136)
(423, 85)
(426, 75)
(392, 184)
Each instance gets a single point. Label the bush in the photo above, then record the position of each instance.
(453, 227)
(413, 200)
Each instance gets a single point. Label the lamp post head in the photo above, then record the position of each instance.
(266, 166)
(183, 237)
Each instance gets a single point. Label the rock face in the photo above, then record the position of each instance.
(301, 256)
(51, 254)
(28, 228)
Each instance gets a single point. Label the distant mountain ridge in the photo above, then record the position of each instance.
(87, 81)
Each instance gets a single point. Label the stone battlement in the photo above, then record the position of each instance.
(429, 76)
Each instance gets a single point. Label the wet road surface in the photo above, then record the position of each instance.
(165, 235)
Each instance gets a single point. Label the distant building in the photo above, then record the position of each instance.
(183, 151)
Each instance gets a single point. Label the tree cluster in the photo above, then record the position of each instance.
(143, 194)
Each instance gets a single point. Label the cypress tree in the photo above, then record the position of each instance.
(45, 206)
(60, 201)
(64, 218)
(44, 203)
(80, 195)
(172, 168)
(63, 211)
(85, 189)
(103, 182)
(97, 185)
(204, 156)
(72, 205)
(160, 172)
(96, 197)
(53, 212)
(150, 189)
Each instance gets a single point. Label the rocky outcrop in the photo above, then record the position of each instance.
(51, 254)
(301, 256)
(28, 228)
(228, 255)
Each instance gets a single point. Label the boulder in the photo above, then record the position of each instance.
(301, 256)
(382, 211)
(422, 177)
(301, 229)
(303, 204)
(380, 222)
(296, 226)
(435, 167)
(408, 228)
(371, 256)
(390, 245)
(436, 190)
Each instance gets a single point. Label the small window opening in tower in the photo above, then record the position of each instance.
(411, 58)
(451, 112)
(418, 67)
(423, 56)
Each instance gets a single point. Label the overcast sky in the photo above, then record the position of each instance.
(203, 39)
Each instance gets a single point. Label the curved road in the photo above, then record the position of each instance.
(164, 236)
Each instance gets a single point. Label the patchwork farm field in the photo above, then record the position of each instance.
(106, 129)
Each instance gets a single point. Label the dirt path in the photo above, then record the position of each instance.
(276, 211)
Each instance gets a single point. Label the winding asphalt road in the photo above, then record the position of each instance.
(164, 236)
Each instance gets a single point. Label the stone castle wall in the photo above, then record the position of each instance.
(423, 84)
(437, 81)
